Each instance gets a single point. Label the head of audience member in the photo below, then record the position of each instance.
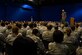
(31, 25)
(2, 24)
(56, 28)
(58, 36)
(36, 32)
(35, 25)
(66, 24)
(68, 31)
(25, 25)
(24, 46)
(19, 25)
(76, 25)
(62, 25)
(9, 27)
(73, 28)
(49, 27)
(56, 24)
(7, 23)
(15, 30)
(44, 24)
(80, 24)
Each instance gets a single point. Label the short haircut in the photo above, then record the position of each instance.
(31, 25)
(49, 27)
(15, 29)
(24, 46)
(2, 23)
(35, 31)
(73, 28)
(19, 25)
(25, 25)
(58, 36)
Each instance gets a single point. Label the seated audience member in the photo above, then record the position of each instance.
(24, 46)
(2, 42)
(35, 26)
(68, 38)
(65, 27)
(29, 31)
(42, 27)
(12, 36)
(79, 49)
(56, 47)
(76, 26)
(56, 28)
(37, 33)
(19, 25)
(38, 41)
(61, 27)
(10, 39)
(47, 36)
(3, 28)
(24, 29)
(80, 27)
(74, 33)
(9, 30)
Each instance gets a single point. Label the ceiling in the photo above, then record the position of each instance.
(42, 2)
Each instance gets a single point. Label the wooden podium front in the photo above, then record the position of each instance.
(72, 21)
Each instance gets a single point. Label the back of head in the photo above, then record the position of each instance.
(68, 31)
(34, 25)
(35, 31)
(49, 27)
(76, 25)
(66, 24)
(25, 25)
(15, 29)
(19, 25)
(24, 46)
(73, 28)
(3, 24)
(31, 25)
(9, 27)
(58, 36)
(56, 27)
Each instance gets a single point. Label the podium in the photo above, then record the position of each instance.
(72, 21)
